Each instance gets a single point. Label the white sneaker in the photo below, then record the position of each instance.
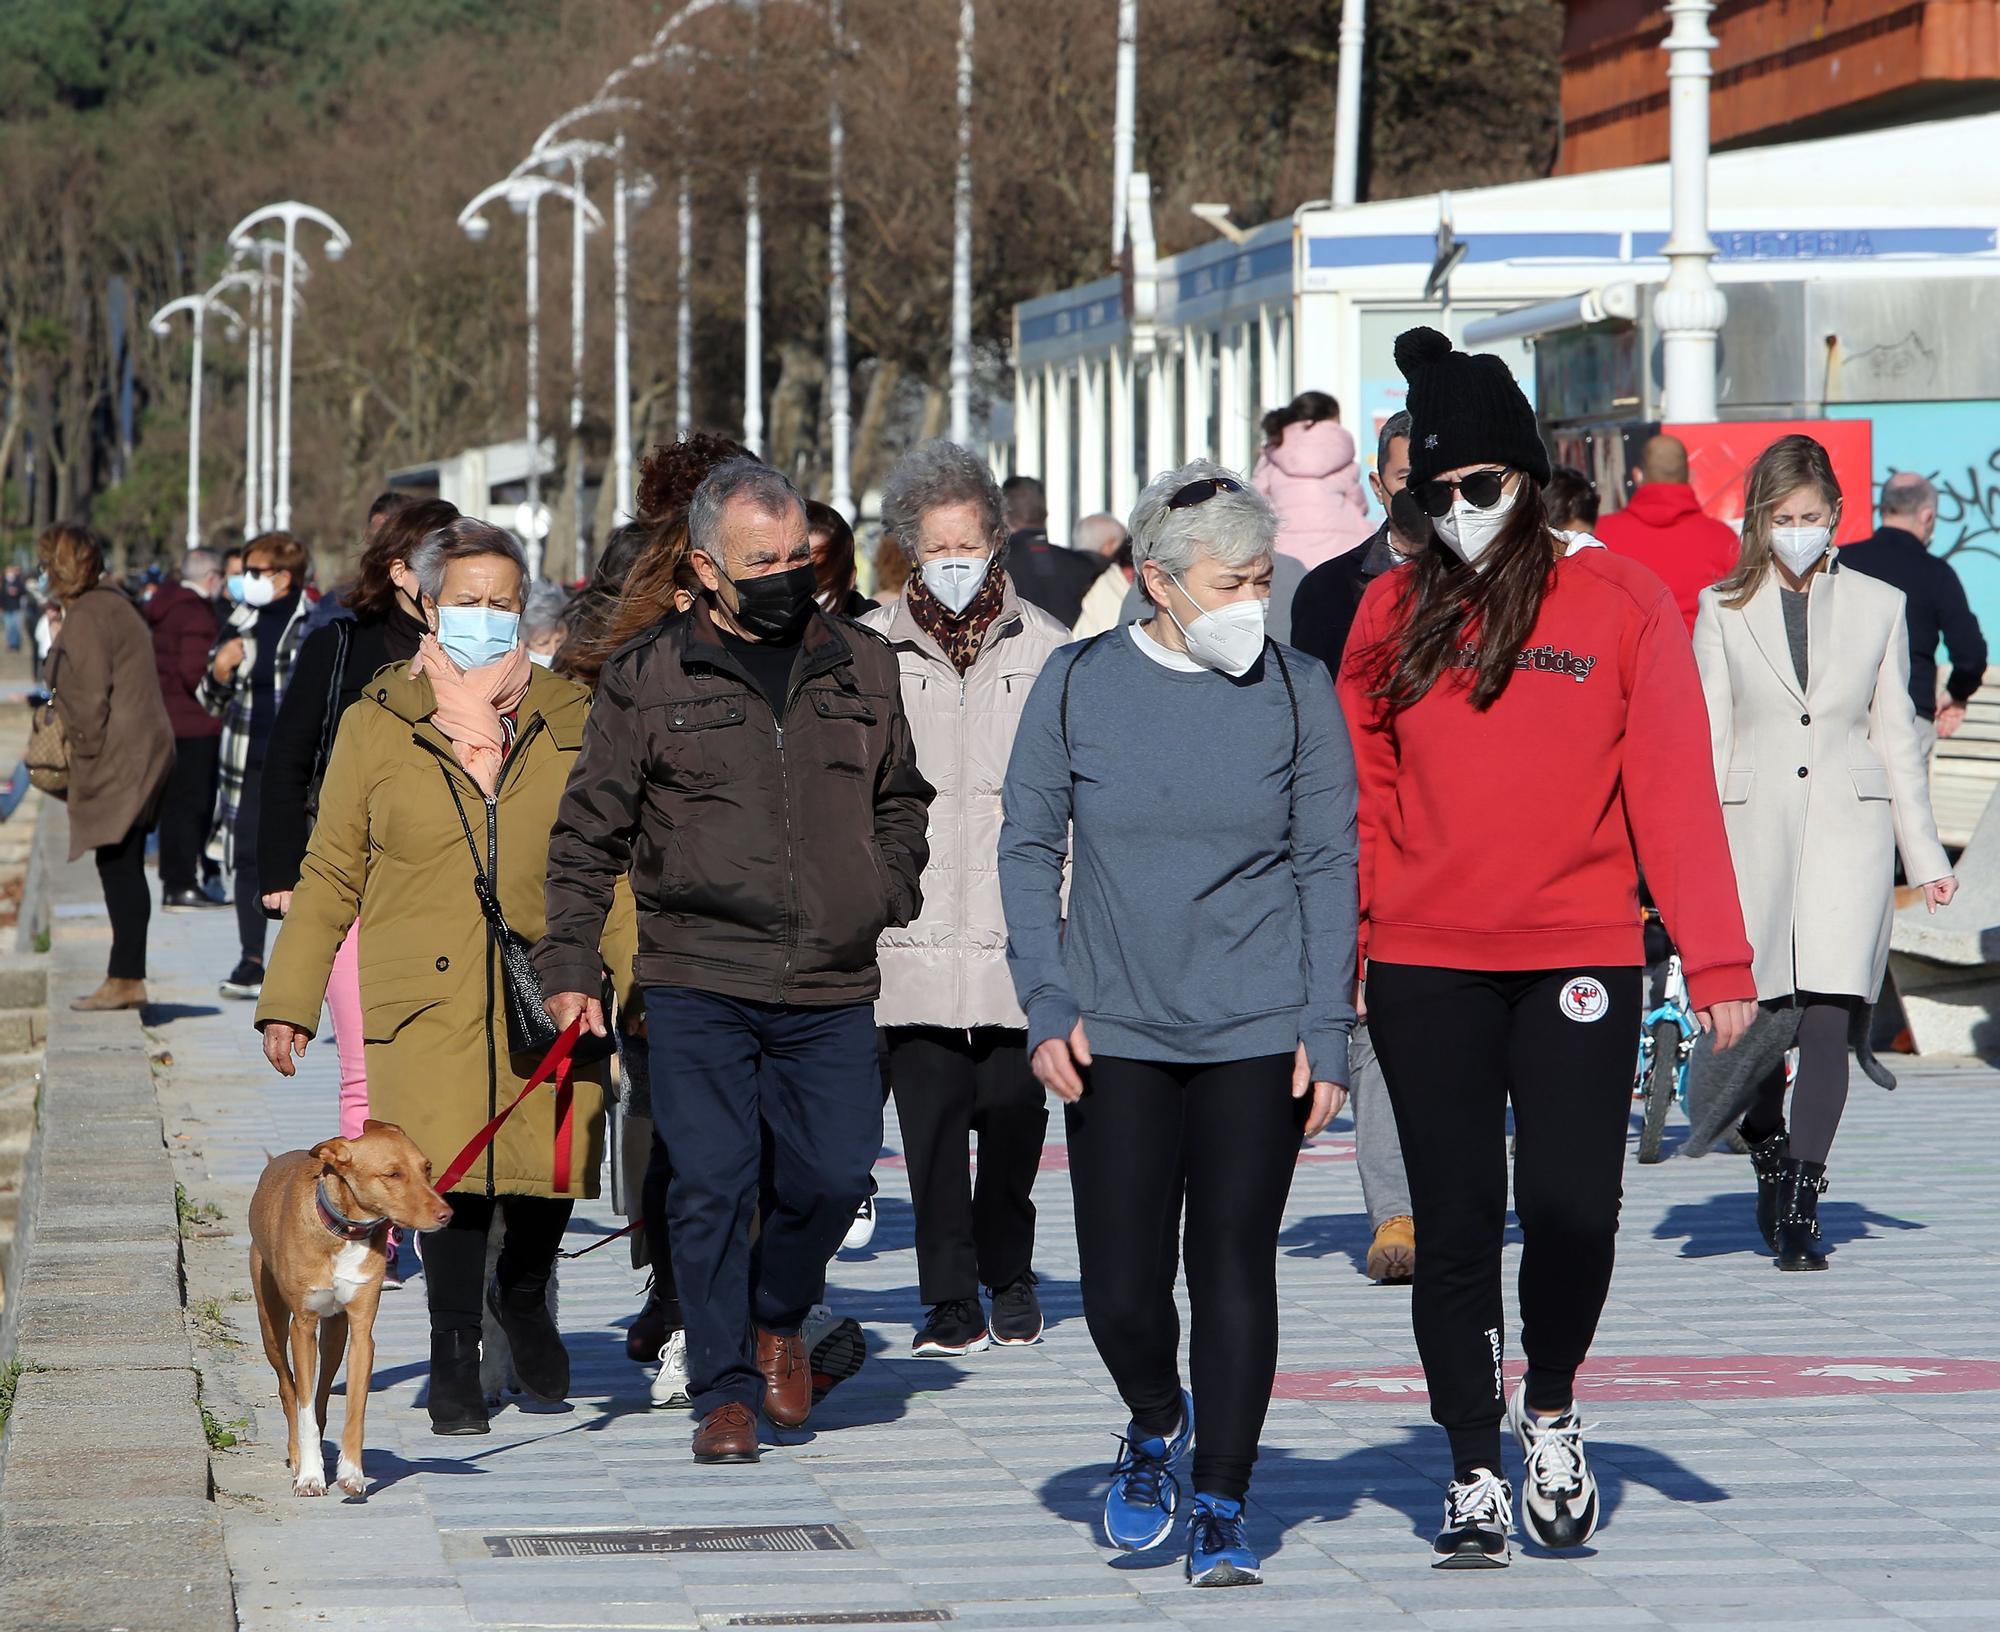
(1478, 1513)
(670, 1384)
(862, 1230)
(1558, 1495)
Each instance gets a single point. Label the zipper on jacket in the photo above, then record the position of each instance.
(964, 896)
(791, 866)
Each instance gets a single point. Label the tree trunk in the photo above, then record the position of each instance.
(870, 463)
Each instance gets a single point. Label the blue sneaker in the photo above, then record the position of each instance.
(1218, 1549)
(1140, 1505)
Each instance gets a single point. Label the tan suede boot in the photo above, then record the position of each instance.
(113, 994)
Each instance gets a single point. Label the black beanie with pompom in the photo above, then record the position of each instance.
(1465, 410)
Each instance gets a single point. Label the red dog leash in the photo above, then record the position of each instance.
(555, 1066)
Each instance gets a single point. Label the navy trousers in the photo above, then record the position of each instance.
(727, 1072)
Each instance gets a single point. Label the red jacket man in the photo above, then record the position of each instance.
(1664, 527)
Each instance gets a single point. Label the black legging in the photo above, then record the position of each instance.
(455, 1256)
(1456, 1045)
(1819, 1093)
(1226, 1137)
(121, 869)
(250, 918)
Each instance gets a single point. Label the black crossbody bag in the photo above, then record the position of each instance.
(529, 1028)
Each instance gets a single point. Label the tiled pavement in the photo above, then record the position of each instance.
(1852, 1482)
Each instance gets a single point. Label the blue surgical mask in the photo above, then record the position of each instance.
(237, 581)
(477, 635)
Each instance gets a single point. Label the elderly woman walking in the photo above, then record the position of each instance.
(1194, 1017)
(445, 778)
(970, 649)
(121, 745)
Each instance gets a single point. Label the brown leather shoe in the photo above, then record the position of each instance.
(727, 1434)
(1392, 1255)
(113, 994)
(788, 1384)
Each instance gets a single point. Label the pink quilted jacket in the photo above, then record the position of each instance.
(1314, 483)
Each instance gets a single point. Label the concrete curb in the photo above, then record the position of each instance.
(106, 1517)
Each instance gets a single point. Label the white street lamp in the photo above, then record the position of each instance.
(961, 242)
(1347, 102)
(1124, 124)
(260, 394)
(1689, 309)
(839, 415)
(524, 194)
(198, 307)
(291, 213)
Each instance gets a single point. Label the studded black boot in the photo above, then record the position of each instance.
(1799, 1188)
(1767, 1157)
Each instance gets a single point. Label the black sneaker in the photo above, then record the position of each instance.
(954, 1327)
(245, 980)
(1478, 1513)
(1017, 1312)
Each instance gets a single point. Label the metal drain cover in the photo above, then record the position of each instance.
(761, 1538)
(847, 1617)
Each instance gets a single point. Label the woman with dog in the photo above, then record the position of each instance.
(450, 767)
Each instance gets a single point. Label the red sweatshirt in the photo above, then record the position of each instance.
(1665, 528)
(1505, 840)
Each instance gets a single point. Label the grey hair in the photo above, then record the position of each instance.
(458, 541)
(930, 476)
(542, 613)
(200, 563)
(1905, 493)
(1232, 528)
(1094, 532)
(1397, 424)
(750, 480)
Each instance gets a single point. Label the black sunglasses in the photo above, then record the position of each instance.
(1199, 492)
(1482, 491)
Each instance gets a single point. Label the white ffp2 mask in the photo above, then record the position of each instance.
(1228, 639)
(1468, 531)
(954, 579)
(1800, 547)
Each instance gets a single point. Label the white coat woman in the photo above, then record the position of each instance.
(1806, 671)
(969, 648)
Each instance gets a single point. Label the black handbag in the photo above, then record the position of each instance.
(530, 1030)
(330, 717)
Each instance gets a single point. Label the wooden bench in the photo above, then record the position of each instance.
(1966, 769)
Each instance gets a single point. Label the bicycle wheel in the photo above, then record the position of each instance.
(1660, 1082)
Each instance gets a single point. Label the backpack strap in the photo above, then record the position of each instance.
(1291, 691)
(1069, 674)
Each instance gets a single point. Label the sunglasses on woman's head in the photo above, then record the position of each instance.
(1482, 491)
(1198, 492)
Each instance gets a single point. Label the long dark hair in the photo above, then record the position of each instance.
(373, 594)
(1308, 406)
(1446, 609)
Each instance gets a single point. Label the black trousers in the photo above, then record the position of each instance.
(1456, 1045)
(121, 869)
(455, 1256)
(1819, 1095)
(950, 1085)
(186, 810)
(653, 1208)
(727, 1072)
(250, 919)
(1223, 1140)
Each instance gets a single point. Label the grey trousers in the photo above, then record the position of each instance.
(1378, 1150)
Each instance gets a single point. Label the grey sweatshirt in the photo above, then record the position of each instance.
(1212, 911)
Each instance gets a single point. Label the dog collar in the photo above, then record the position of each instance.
(348, 1229)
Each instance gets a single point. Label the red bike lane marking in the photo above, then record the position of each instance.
(1688, 1377)
(1055, 1158)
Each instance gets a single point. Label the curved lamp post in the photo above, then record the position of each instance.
(198, 307)
(524, 194)
(290, 213)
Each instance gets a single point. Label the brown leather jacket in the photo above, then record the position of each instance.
(766, 855)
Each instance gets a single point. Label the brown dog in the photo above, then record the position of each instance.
(319, 1223)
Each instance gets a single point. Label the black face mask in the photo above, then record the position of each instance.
(1407, 517)
(776, 606)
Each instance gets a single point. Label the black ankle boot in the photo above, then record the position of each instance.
(1799, 1188)
(541, 1363)
(457, 1404)
(1767, 1157)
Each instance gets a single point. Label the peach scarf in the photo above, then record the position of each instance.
(470, 703)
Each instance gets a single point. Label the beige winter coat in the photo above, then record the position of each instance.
(949, 967)
(1821, 786)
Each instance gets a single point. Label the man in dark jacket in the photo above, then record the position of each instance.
(1323, 608)
(182, 618)
(1322, 617)
(1044, 574)
(1900, 554)
(1665, 528)
(748, 764)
